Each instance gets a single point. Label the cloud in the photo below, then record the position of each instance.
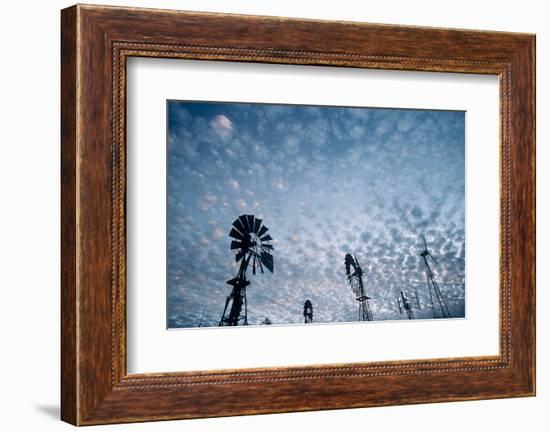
(234, 184)
(357, 132)
(292, 145)
(279, 183)
(416, 212)
(383, 127)
(207, 201)
(406, 122)
(222, 125)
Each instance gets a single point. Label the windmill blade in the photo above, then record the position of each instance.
(238, 224)
(254, 265)
(240, 255)
(268, 246)
(267, 260)
(425, 245)
(260, 265)
(267, 238)
(262, 231)
(433, 258)
(236, 244)
(236, 234)
(250, 221)
(244, 222)
(257, 224)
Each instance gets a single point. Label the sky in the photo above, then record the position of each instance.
(326, 181)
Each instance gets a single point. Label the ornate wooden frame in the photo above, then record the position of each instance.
(95, 42)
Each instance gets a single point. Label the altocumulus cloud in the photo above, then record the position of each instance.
(326, 181)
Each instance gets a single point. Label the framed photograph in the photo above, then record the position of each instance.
(324, 214)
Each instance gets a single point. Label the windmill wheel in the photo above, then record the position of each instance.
(251, 240)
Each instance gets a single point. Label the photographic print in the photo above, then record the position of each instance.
(295, 214)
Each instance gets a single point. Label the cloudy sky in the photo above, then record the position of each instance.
(326, 181)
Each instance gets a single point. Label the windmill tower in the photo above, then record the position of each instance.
(251, 242)
(355, 280)
(406, 306)
(308, 312)
(439, 307)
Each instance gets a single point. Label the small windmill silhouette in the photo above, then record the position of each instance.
(308, 312)
(355, 280)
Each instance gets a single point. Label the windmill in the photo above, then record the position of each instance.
(308, 312)
(266, 321)
(251, 241)
(433, 287)
(405, 305)
(355, 280)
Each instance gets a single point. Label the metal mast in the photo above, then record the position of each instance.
(251, 243)
(308, 312)
(406, 306)
(355, 280)
(439, 307)
(237, 298)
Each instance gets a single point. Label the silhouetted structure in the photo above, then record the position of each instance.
(200, 319)
(433, 287)
(266, 321)
(308, 312)
(355, 280)
(252, 244)
(405, 305)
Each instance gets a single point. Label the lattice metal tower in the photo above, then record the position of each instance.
(252, 244)
(439, 307)
(406, 306)
(355, 280)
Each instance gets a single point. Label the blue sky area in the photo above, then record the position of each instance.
(326, 181)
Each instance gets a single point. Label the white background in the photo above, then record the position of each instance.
(29, 220)
(151, 348)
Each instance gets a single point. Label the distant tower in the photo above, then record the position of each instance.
(355, 280)
(201, 318)
(251, 243)
(406, 306)
(308, 312)
(433, 287)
